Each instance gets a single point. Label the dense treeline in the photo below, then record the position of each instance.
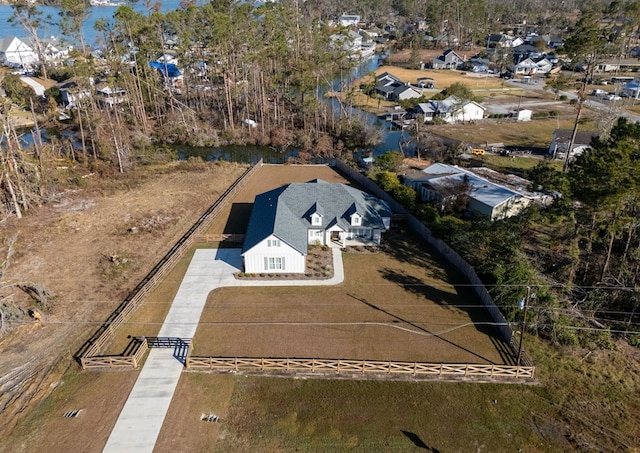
(580, 256)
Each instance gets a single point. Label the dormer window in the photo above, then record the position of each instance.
(356, 219)
(316, 219)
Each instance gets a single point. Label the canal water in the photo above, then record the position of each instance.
(246, 154)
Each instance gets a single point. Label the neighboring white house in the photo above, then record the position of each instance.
(451, 110)
(285, 221)
(53, 51)
(17, 52)
(349, 20)
(438, 182)
(21, 52)
(108, 97)
(561, 139)
(526, 67)
(350, 42)
(71, 92)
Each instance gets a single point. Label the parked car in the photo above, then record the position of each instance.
(506, 75)
(613, 97)
(599, 92)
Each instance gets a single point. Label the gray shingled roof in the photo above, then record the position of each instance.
(286, 212)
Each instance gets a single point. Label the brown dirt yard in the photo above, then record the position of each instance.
(89, 247)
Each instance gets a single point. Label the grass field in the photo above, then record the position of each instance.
(516, 163)
(586, 402)
(444, 78)
(533, 134)
(401, 304)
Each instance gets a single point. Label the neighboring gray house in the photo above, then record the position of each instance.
(392, 88)
(438, 182)
(525, 51)
(285, 221)
(562, 138)
(448, 60)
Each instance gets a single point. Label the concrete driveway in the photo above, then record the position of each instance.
(141, 418)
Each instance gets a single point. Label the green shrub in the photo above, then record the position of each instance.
(634, 340)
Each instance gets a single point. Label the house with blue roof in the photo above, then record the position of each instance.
(439, 182)
(286, 221)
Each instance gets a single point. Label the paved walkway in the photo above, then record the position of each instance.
(140, 421)
(37, 86)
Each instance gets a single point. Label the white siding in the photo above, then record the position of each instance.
(257, 259)
(315, 236)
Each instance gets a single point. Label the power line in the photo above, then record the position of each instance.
(307, 324)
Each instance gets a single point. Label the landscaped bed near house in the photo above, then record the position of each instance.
(401, 304)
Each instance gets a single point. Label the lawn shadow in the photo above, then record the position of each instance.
(422, 329)
(413, 437)
(464, 299)
(410, 248)
(418, 286)
(238, 219)
(505, 351)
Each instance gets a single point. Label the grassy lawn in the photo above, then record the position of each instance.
(444, 78)
(516, 163)
(402, 304)
(534, 134)
(586, 402)
(99, 395)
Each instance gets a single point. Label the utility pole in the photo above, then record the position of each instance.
(524, 305)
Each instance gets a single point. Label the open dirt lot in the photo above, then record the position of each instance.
(89, 247)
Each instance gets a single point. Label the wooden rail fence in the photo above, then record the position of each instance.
(87, 354)
(363, 367)
(445, 251)
(129, 361)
